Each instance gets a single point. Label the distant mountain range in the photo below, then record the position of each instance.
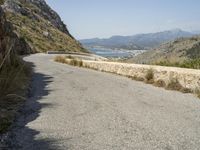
(137, 42)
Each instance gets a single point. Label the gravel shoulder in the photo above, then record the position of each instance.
(81, 109)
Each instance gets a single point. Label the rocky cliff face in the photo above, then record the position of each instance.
(39, 26)
(10, 42)
(43, 11)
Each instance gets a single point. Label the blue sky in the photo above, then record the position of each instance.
(104, 18)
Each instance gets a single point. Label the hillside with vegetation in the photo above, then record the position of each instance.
(183, 52)
(14, 73)
(41, 27)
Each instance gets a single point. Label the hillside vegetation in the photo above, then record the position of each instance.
(14, 82)
(14, 73)
(36, 23)
(183, 52)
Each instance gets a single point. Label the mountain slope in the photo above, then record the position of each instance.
(176, 51)
(140, 41)
(36, 23)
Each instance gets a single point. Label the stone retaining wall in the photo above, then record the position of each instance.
(188, 78)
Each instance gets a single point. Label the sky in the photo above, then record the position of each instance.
(104, 18)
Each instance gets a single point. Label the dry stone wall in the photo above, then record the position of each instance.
(188, 78)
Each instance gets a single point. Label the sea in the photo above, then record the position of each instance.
(110, 53)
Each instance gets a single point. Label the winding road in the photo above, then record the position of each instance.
(73, 108)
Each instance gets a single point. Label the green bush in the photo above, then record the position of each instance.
(192, 64)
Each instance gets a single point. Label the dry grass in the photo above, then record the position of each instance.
(160, 83)
(186, 90)
(14, 81)
(69, 60)
(197, 92)
(33, 32)
(69, 57)
(149, 76)
(174, 84)
(60, 59)
(137, 78)
(75, 62)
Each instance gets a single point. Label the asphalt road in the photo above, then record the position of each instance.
(73, 108)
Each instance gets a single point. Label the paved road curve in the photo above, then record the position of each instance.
(79, 109)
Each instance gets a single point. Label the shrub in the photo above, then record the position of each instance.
(137, 78)
(60, 59)
(174, 84)
(186, 90)
(80, 64)
(69, 60)
(14, 81)
(72, 62)
(76, 62)
(192, 64)
(70, 57)
(149, 76)
(197, 92)
(160, 83)
(13, 77)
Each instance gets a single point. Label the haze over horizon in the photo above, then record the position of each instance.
(105, 18)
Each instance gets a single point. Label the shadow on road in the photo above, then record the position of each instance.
(22, 137)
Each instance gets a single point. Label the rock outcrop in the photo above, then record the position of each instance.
(10, 43)
(44, 11)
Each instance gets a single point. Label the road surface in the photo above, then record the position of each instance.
(74, 108)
